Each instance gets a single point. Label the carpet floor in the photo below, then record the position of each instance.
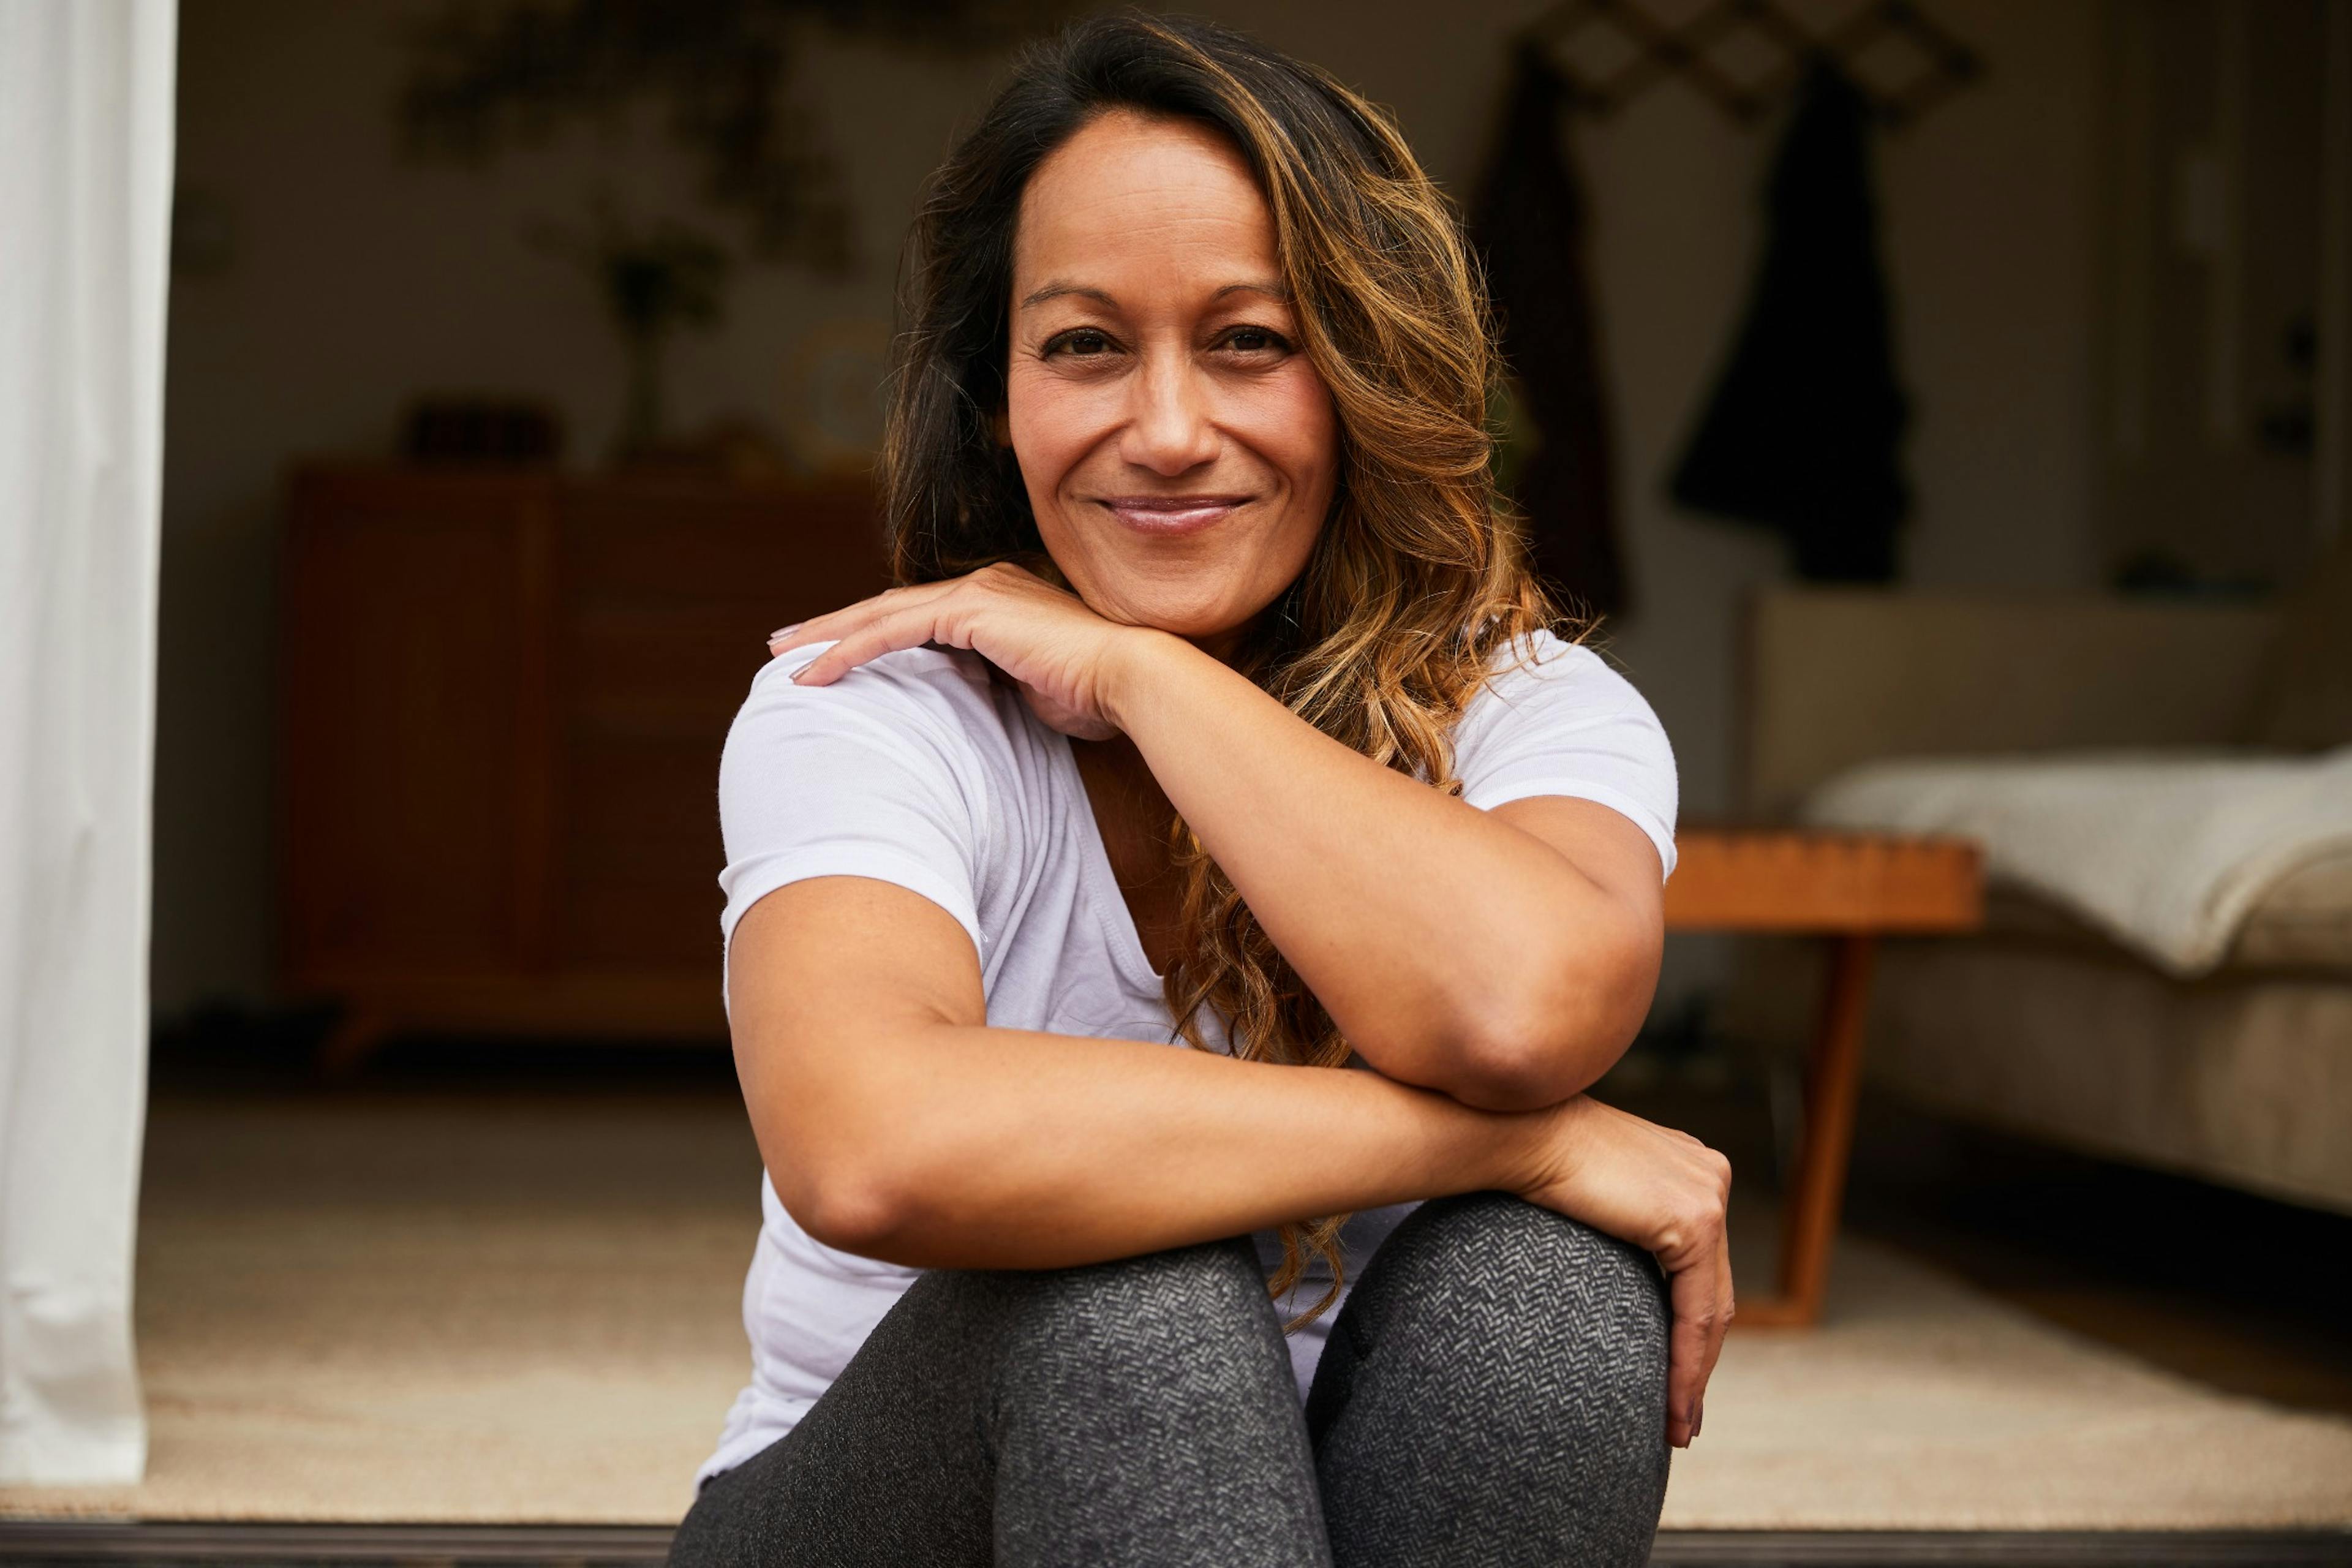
(513, 1309)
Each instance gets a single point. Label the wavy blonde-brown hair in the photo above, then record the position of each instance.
(1417, 581)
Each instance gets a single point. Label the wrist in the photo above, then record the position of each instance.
(1127, 671)
(1537, 1149)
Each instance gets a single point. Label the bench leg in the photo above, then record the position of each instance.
(1808, 1220)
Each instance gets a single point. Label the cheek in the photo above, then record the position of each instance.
(1300, 435)
(1051, 422)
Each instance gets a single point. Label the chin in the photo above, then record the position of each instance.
(1204, 612)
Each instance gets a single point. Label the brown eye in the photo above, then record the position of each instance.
(1256, 341)
(1084, 343)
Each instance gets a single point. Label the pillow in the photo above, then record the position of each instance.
(2306, 694)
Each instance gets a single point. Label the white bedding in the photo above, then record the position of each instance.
(2166, 851)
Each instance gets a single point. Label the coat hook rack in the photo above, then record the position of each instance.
(1641, 48)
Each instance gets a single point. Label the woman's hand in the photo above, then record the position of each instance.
(1661, 1190)
(1043, 637)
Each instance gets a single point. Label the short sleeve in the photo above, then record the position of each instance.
(1561, 721)
(875, 775)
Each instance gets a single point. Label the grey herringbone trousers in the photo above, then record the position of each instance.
(1493, 1395)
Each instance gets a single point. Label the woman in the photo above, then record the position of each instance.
(1215, 709)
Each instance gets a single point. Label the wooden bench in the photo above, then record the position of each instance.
(1852, 888)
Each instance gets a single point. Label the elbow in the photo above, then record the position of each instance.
(1525, 1070)
(857, 1205)
(1551, 1037)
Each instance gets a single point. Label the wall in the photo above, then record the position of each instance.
(350, 280)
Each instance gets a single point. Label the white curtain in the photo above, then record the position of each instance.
(85, 212)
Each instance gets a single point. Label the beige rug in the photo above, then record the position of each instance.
(526, 1311)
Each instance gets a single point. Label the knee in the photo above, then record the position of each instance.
(1195, 1321)
(1526, 1354)
(1560, 1307)
(1541, 1257)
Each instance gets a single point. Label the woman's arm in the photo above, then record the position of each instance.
(896, 1125)
(1505, 958)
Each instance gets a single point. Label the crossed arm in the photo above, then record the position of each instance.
(1489, 964)
(1506, 957)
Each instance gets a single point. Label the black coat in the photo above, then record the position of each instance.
(1528, 224)
(1804, 434)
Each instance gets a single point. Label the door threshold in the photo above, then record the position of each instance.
(169, 1544)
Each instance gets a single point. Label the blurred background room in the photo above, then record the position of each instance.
(1949, 405)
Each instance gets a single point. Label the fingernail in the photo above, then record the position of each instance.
(1698, 1416)
(783, 631)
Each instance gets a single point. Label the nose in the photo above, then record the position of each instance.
(1169, 428)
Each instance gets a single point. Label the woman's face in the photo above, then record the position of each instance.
(1179, 449)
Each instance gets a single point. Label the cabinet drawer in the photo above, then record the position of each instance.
(787, 555)
(677, 671)
(641, 851)
(505, 698)
(405, 722)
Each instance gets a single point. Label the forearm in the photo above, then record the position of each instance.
(1435, 934)
(959, 1146)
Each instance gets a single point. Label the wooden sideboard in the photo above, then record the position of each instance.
(503, 699)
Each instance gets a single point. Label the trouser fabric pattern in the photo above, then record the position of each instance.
(1493, 1395)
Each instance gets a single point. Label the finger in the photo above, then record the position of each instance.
(1688, 1364)
(1725, 1307)
(828, 627)
(832, 624)
(836, 625)
(1727, 1294)
(901, 630)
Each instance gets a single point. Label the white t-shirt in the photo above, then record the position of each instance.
(920, 769)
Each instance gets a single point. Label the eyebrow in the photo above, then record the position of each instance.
(1067, 290)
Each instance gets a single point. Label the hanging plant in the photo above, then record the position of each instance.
(486, 75)
(489, 75)
(653, 279)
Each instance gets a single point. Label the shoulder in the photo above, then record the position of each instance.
(1544, 674)
(1557, 719)
(918, 729)
(898, 771)
(940, 700)
(912, 679)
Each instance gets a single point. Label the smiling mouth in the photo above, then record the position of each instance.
(1168, 515)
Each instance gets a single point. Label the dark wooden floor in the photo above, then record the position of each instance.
(416, 1546)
